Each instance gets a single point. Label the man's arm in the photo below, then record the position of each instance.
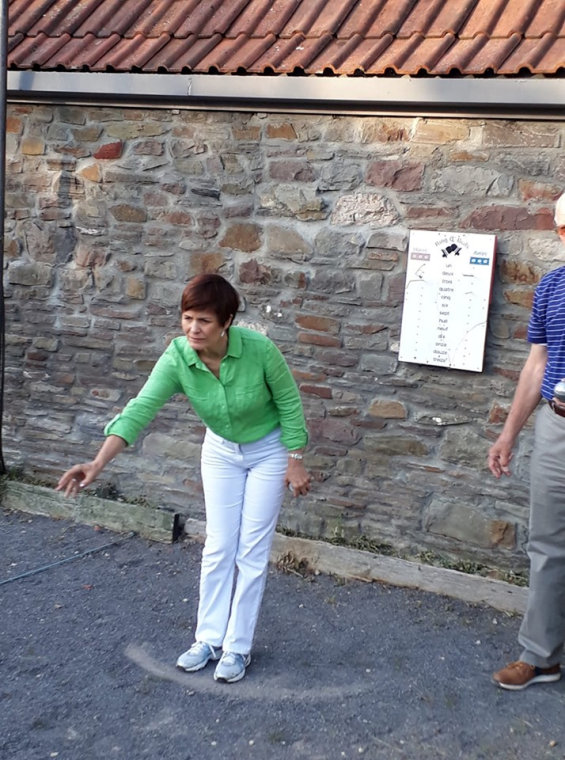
(526, 398)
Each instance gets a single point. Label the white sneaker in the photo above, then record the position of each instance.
(198, 656)
(231, 667)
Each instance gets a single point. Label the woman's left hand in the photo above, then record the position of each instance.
(297, 479)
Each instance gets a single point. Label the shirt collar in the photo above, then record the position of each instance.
(235, 344)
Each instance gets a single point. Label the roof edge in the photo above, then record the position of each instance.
(531, 97)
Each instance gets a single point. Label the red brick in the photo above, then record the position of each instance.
(538, 190)
(519, 272)
(520, 297)
(335, 429)
(521, 332)
(320, 324)
(316, 390)
(301, 375)
(427, 212)
(14, 125)
(509, 218)
(253, 272)
(395, 174)
(291, 171)
(110, 150)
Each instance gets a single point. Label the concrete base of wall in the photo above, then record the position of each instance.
(305, 554)
(353, 564)
(155, 524)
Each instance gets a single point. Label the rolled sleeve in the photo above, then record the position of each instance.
(286, 396)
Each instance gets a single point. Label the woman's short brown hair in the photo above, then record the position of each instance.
(213, 292)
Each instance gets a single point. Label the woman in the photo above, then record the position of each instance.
(239, 384)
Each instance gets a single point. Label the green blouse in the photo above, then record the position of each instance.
(254, 394)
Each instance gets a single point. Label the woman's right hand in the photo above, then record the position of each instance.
(78, 477)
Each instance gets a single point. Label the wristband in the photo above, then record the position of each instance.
(295, 455)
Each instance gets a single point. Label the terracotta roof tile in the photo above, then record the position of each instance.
(374, 37)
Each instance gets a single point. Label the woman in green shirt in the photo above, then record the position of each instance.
(239, 384)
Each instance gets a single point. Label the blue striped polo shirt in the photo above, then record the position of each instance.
(547, 326)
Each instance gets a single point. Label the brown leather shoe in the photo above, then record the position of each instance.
(518, 675)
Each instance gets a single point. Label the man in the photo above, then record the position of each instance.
(542, 632)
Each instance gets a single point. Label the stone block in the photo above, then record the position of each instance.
(519, 272)
(523, 298)
(71, 115)
(499, 134)
(32, 146)
(387, 445)
(336, 246)
(471, 181)
(169, 447)
(321, 391)
(287, 200)
(291, 171)
(496, 218)
(364, 208)
(385, 130)
(462, 522)
(92, 173)
(339, 175)
(320, 324)
(396, 174)
(254, 273)
(201, 262)
(136, 288)
(462, 445)
(317, 339)
(242, 236)
(287, 242)
(388, 409)
(283, 131)
(124, 212)
(440, 131)
(29, 273)
(110, 150)
(87, 134)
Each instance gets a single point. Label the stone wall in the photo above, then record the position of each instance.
(110, 211)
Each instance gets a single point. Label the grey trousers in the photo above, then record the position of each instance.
(542, 632)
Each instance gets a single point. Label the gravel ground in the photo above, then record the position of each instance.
(340, 670)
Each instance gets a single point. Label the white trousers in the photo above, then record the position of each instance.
(243, 490)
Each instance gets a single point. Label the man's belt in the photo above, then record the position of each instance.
(556, 409)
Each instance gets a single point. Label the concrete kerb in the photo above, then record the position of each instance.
(149, 522)
(316, 556)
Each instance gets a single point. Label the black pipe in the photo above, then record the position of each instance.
(3, 89)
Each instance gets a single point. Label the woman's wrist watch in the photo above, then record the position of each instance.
(295, 455)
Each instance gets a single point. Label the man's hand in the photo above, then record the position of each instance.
(499, 457)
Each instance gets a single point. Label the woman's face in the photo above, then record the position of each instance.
(203, 330)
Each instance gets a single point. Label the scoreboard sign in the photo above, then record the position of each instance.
(446, 299)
